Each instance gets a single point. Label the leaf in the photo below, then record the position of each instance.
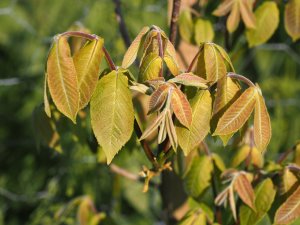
(289, 210)
(240, 155)
(171, 130)
(288, 180)
(133, 49)
(150, 67)
(186, 26)
(223, 8)
(238, 113)
(204, 31)
(62, 78)
(194, 217)
(189, 79)
(218, 162)
(153, 126)
(232, 202)
(262, 124)
(181, 107)
(214, 65)
(46, 100)
(257, 158)
(264, 196)
(225, 56)
(170, 59)
(198, 177)
(292, 19)
(267, 21)
(247, 13)
(84, 211)
(87, 63)
(234, 17)
(189, 139)
(112, 114)
(244, 189)
(158, 98)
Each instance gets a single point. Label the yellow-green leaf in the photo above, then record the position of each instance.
(240, 155)
(150, 67)
(225, 56)
(292, 19)
(238, 113)
(62, 78)
(194, 217)
(189, 79)
(267, 20)
(204, 31)
(262, 124)
(288, 180)
(133, 49)
(186, 26)
(289, 210)
(112, 113)
(46, 100)
(87, 63)
(170, 59)
(201, 113)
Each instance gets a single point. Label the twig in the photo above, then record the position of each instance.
(118, 170)
(241, 78)
(121, 22)
(109, 60)
(79, 34)
(174, 19)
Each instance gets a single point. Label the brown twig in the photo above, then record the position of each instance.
(174, 19)
(79, 34)
(241, 78)
(118, 170)
(109, 60)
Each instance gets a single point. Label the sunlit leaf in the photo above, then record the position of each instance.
(218, 162)
(112, 114)
(201, 113)
(247, 13)
(181, 107)
(232, 202)
(194, 217)
(257, 158)
(262, 124)
(84, 211)
(171, 130)
(62, 78)
(198, 177)
(158, 98)
(204, 31)
(170, 58)
(46, 100)
(154, 125)
(224, 8)
(87, 63)
(234, 17)
(150, 67)
(288, 180)
(189, 79)
(200, 66)
(133, 49)
(289, 210)
(244, 189)
(292, 19)
(267, 20)
(240, 155)
(238, 113)
(225, 56)
(186, 26)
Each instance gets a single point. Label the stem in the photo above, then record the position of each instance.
(241, 78)
(118, 170)
(79, 34)
(109, 60)
(174, 19)
(121, 22)
(193, 61)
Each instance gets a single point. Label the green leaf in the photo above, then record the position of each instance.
(87, 63)
(112, 113)
(198, 177)
(170, 59)
(218, 162)
(264, 196)
(62, 78)
(194, 217)
(292, 19)
(190, 138)
(186, 26)
(46, 100)
(267, 21)
(150, 67)
(204, 31)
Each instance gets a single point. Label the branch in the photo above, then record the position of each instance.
(118, 170)
(121, 22)
(174, 19)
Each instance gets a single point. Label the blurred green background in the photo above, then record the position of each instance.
(35, 181)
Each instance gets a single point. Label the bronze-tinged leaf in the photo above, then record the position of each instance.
(292, 19)
(238, 113)
(190, 138)
(133, 49)
(158, 98)
(222, 197)
(244, 189)
(162, 134)
(224, 8)
(234, 17)
(62, 78)
(170, 58)
(112, 113)
(262, 124)
(87, 63)
(181, 107)
(46, 100)
(232, 202)
(154, 125)
(189, 79)
(214, 65)
(171, 130)
(150, 67)
(247, 13)
(289, 210)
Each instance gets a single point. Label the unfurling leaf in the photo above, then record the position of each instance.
(170, 59)
(112, 114)
(158, 98)
(267, 20)
(87, 63)
(292, 19)
(190, 138)
(204, 31)
(62, 78)
(150, 67)
(171, 130)
(181, 107)
(198, 177)
(289, 210)
(262, 124)
(244, 189)
(154, 125)
(264, 196)
(232, 202)
(186, 26)
(133, 49)
(190, 79)
(46, 100)
(238, 113)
